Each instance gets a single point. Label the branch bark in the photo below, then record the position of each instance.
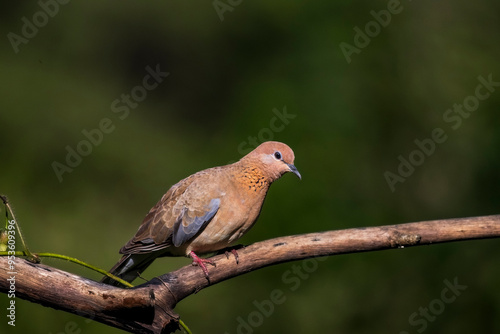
(149, 308)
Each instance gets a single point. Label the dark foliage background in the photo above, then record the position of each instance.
(351, 121)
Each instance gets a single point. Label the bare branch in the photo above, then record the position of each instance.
(149, 307)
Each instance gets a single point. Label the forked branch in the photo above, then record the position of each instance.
(149, 308)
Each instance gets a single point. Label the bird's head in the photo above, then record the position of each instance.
(274, 158)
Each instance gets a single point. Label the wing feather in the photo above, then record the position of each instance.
(179, 215)
(187, 227)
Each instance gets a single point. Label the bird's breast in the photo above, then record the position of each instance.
(240, 207)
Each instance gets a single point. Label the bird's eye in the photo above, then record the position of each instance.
(277, 155)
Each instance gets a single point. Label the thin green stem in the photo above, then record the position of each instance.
(30, 256)
(185, 327)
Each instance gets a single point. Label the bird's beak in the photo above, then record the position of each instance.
(294, 170)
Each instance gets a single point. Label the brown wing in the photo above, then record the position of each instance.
(181, 213)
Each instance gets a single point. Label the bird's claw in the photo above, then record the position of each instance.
(197, 261)
(235, 253)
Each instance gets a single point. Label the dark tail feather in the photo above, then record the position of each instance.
(129, 268)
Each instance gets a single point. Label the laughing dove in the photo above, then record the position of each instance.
(205, 212)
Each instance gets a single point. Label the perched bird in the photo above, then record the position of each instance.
(205, 212)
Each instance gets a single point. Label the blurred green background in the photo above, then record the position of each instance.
(351, 121)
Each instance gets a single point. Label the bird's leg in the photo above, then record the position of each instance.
(197, 261)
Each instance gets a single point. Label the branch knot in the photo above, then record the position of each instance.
(402, 240)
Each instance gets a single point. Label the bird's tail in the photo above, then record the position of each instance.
(129, 268)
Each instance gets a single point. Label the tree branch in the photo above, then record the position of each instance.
(149, 307)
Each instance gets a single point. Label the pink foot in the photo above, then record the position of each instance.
(197, 261)
(235, 253)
